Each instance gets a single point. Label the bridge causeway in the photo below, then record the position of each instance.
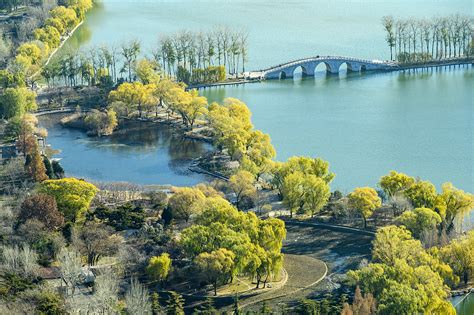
(334, 63)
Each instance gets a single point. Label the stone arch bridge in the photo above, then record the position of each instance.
(332, 63)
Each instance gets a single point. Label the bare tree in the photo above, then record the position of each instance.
(137, 299)
(18, 259)
(388, 23)
(130, 51)
(106, 287)
(71, 267)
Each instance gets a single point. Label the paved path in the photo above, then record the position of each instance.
(303, 272)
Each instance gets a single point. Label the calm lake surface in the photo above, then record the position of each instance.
(144, 153)
(365, 126)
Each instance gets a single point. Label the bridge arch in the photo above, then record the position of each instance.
(305, 70)
(327, 64)
(346, 66)
(322, 66)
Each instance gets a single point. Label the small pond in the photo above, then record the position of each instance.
(142, 153)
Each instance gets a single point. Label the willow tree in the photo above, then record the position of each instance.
(364, 200)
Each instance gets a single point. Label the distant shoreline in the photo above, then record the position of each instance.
(63, 41)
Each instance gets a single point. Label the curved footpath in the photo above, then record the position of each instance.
(63, 41)
(303, 272)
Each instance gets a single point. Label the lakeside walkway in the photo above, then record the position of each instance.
(63, 41)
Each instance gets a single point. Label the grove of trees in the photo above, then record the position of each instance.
(193, 54)
(185, 57)
(406, 278)
(225, 243)
(420, 40)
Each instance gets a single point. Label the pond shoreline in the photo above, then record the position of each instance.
(199, 165)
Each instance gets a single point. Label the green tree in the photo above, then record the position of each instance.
(32, 51)
(50, 303)
(48, 167)
(303, 165)
(419, 220)
(404, 276)
(155, 304)
(175, 304)
(232, 126)
(259, 154)
(394, 183)
(316, 194)
(453, 203)
(147, 71)
(255, 243)
(265, 309)
(159, 267)
(57, 170)
(242, 184)
(16, 102)
(101, 123)
(72, 195)
(216, 266)
(459, 255)
(401, 299)
(185, 202)
(208, 307)
(293, 191)
(421, 194)
(134, 96)
(364, 200)
(307, 307)
(67, 17)
(162, 90)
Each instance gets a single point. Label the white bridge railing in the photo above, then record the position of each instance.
(325, 58)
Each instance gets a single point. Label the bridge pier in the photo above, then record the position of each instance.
(333, 66)
(308, 69)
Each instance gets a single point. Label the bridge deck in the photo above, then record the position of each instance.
(333, 64)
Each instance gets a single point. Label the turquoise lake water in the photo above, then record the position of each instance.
(364, 125)
(419, 122)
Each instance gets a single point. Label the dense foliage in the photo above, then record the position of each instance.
(240, 243)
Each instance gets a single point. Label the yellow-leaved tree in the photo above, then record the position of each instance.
(364, 200)
(73, 196)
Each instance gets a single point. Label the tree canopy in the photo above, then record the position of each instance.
(16, 102)
(255, 244)
(404, 278)
(364, 200)
(73, 196)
